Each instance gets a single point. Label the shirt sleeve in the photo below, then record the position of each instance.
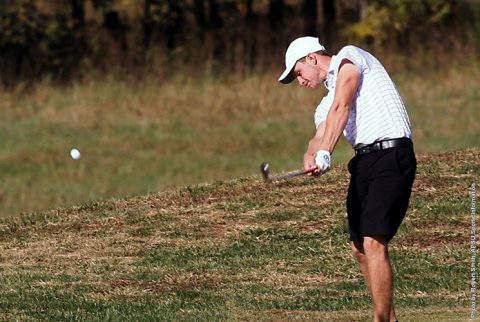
(354, 55)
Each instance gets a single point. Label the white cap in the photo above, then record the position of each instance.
(297, 49)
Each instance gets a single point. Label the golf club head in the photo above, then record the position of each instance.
(264, 169)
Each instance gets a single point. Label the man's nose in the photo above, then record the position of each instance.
(301, 81)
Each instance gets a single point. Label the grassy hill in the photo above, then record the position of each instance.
(239, 250)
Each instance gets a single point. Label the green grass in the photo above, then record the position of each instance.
(238, 250)
(151, 136)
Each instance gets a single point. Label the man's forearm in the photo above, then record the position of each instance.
(314, 145)
(336, 120)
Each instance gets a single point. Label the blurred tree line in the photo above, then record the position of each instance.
(64, 39)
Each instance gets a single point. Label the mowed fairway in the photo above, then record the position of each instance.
(238, 250)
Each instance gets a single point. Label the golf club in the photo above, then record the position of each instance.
(265, 170)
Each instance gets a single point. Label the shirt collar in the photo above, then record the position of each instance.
(329, 81)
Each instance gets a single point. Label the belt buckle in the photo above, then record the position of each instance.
(364, 150)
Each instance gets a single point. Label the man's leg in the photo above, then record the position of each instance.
(359, 253)
(378, 275)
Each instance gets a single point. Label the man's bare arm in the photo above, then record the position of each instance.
(315, 142)
(346, 87)
(313, 146)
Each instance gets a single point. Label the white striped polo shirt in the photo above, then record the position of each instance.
(377, 111)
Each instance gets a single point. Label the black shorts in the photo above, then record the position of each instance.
(379, 191)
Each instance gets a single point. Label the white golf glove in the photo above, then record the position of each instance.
(323, 160)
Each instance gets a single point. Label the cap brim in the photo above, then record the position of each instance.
(287, 76)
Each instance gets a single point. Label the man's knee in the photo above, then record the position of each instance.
(375, 244)
(358, 251)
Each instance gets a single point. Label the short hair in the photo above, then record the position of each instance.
(319, 52)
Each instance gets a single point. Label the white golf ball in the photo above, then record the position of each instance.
(75, 154)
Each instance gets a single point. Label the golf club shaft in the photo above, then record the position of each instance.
(290, 175)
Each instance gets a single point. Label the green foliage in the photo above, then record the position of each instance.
(400, 22)
(67, 39)
(33, 42)
(372, 28)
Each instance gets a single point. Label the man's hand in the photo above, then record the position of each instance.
(323, 161)
(309, 163)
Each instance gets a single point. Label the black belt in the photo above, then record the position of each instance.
(386, 144)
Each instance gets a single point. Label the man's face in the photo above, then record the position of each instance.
(308, 73)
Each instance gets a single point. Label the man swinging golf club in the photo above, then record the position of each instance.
(364, 104)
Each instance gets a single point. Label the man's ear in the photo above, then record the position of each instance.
(311, 59)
